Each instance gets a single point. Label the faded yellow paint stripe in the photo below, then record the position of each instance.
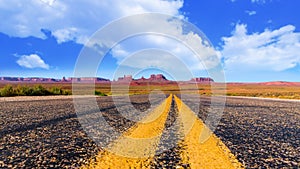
(137, 146)
(152, 125)
(212, 153)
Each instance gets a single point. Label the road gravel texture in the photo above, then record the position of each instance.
(46, 133)
(261, 133)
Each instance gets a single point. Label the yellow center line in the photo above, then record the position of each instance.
(212, 153)
(136, 147)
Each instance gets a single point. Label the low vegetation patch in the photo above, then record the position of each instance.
(99, 93)
(38, 90)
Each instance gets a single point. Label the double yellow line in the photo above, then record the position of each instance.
(137, 146)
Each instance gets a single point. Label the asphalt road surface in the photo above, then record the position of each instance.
(46, 133)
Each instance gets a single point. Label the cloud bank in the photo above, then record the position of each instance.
(250, 13)
(73, 21)
(270, 50)
(32, 61)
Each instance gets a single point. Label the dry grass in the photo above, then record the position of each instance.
(235, 89)
(258, 90)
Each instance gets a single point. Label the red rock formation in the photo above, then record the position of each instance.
(126, 78)
(202, 79)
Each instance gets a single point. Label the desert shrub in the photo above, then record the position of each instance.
(67, 92)
(232, 94)
(100, 93)
(7, 91)
(56, 91)
(39, 91)
(23, 91)
(60, 91)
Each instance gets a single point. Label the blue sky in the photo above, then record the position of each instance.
(255, 40)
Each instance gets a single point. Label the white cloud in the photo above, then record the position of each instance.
(271, 50)
(63, 35)
(261, 1)
(258, 1)
(32, 61)
(119, 53)
(181, 46)
(206, 58)
(49, 2)
(250, 13)
(69, 20)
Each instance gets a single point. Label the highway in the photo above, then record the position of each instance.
(252, 133)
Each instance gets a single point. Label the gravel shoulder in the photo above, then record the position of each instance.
(264, 98)
(37, 98)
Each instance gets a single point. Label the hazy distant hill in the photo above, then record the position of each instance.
(154, 78)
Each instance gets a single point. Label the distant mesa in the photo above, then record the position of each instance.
(202, 79)
(154, 78)
(29, 79)
(85, 79)
(280, 83)
(126, 78)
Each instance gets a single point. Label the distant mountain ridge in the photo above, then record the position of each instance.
(158, 78)
(42, 79)
(126, 78)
